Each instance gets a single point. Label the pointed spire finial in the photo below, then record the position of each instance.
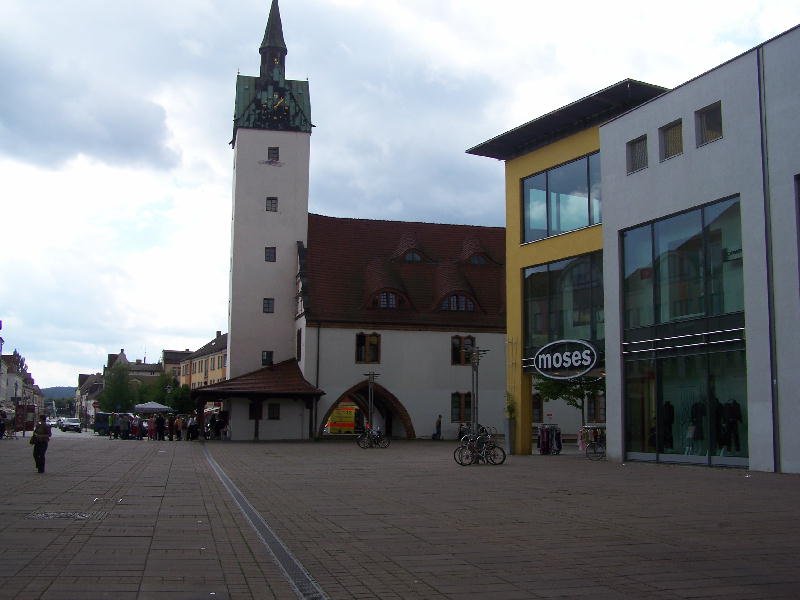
(273, 48)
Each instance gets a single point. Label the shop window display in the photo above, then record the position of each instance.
(685, 369)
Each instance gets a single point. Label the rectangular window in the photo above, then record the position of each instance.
(561, 199)
(213, 361)
(637, 154)
(269, 253)
(461, 407)
(299, 345)
(684, 267)
(266, 358)
(272, 204)
(368, 348)
(461, 349)
(563, 300)
(269, 305)
(273, 411)
(224, 360)
(670, 139)
(708, 123)
(273, 154)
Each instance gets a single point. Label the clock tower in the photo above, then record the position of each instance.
(271, 143)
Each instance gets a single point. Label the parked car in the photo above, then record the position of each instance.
(71, 424)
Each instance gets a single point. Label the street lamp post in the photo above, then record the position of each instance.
(371, 377)
(476, 361)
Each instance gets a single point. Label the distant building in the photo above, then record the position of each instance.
(207, 365)
(171, 361)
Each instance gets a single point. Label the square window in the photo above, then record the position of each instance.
(269, 253)
(273, 411)
(368, 348)
(708, 123)
(461, 349)
(670, 139)
(266, 358)
(637, 154)
(269, 305)
(273, 154)
(272, 204)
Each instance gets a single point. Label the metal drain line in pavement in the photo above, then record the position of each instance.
(300, 579)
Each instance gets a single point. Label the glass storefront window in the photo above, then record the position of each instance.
(723, 233)
(568, 193)
(534, 210)
(685, 381)
(595, 189)
(728, 410)
(684, 413)
(638, 277)
(564, 300)
(640, 406)
(680, 267)
(562, 199)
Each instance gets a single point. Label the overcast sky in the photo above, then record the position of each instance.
(115, 118)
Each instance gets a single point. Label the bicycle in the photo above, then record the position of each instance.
(372, 439)
(596, 448)
(479, 447)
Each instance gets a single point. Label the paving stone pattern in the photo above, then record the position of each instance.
(141, 519)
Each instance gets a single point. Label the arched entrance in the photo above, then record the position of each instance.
(385, 405)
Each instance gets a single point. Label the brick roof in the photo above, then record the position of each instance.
(281, 379)
(349, 261)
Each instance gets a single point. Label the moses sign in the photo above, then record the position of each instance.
(564, 359)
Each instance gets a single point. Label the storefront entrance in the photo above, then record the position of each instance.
(350, 413)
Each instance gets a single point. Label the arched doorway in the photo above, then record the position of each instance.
(387, 409)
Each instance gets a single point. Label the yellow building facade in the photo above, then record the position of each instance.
(565, 138)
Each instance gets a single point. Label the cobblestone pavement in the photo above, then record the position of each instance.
(127, 519)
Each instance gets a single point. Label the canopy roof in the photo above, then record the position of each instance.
(152, 407)
(281, 380)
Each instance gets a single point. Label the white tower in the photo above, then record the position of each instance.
(271, 141)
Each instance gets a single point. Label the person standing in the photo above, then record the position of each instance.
(160, 424)
(39, 439)
(438, 434)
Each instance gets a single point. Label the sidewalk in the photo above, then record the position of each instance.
(149, 520)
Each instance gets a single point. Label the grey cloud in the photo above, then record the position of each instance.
(47, 119)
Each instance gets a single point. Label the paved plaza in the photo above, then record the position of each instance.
(142, 519)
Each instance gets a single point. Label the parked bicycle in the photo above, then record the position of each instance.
(596, 444)
(372, 438)
(479, 447)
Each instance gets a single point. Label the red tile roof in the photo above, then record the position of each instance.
(282, 379)
(349, 261)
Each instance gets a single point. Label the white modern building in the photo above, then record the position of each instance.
(700, 266)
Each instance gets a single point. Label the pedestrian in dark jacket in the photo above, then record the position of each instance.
(39, 439)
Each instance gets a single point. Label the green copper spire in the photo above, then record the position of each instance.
(273, 48)
(270, 101)
(273, 35)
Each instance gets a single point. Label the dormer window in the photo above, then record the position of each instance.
(478, 259)
(387, 300)
(458, 302)
(412, 256)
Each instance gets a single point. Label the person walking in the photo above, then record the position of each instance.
(40, 438)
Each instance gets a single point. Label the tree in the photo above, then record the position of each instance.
(181, 401)
(118, 395)
(572, 391)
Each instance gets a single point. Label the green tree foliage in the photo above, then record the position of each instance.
(118, 394)
(181, 401)
(572, 391)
